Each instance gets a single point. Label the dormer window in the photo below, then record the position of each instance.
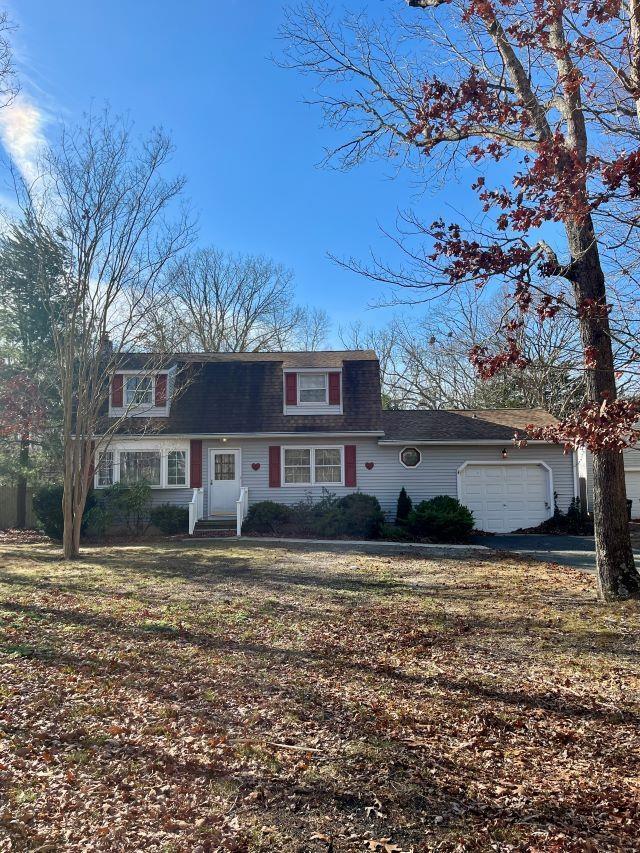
(313, 392)
(137, 394)
(138, 391)
(312, 388)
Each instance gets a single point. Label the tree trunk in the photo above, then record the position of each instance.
(21, 486)
(617, 575)
(70, 546)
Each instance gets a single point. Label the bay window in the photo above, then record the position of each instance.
(308, 466)
(137, 466)
(177, 468)
(160, 467)
(104, 471)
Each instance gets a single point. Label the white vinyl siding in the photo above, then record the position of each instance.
(436, 474)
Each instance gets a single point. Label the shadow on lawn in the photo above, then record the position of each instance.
(322, 660)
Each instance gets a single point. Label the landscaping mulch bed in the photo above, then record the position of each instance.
(246, 697)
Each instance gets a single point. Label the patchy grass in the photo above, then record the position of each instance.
(179, 697)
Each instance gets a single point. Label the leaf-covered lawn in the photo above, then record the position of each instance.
(214, 696)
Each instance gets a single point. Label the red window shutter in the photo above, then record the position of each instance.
(334, 389)
(274, 466)
(291, 383)
(161, 390)
(116, 390)
(196, 463)
(350, 478)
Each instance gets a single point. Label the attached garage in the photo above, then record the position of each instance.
(632, 479)
(631, 475)
(506, 496)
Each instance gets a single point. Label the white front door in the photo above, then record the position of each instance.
(224, 481)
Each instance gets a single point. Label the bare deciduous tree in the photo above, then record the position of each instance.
(105, 201)
(550, 92)
(425, 363)
(230, 303)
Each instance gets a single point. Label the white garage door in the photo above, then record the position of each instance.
(633, 491)
(505, 497)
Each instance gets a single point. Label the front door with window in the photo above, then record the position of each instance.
(224, 481)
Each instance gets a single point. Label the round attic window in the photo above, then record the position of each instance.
(410, 457)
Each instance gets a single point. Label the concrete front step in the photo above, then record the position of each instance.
(213, 532)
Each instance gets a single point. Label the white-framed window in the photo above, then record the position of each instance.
(138, 466)
(138, 390)
(177, 468)
(313, 389)
(104, 472)
(161, 466)
(410, 457)
(309, 466)
(328, 465)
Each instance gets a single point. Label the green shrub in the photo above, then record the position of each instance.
(170, 519)
(353, 515)
(267, 517)
(47, 505)
(404, 507)
(122, 505)
(395, 533)
(442, 518)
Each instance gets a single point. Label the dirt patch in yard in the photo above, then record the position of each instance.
(246, 697)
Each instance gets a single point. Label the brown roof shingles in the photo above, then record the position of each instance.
(460, 425)
(242, 393)
(233, 394)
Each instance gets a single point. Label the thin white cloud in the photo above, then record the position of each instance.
(22, 135)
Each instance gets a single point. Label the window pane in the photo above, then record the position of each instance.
(297, 465)
(410, 457)
(224, 466)
(139, 465)
(313, 387)
(105, 469)
(138, 390)
(297, 457)
(177, 468)
(328, 468)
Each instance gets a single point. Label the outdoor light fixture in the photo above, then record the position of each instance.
(504, 453)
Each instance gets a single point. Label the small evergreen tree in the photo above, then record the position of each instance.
(404, 507)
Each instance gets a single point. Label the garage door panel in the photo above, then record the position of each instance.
(632, 479)
(506, 497)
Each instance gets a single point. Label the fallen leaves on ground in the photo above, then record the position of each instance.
(217, 697)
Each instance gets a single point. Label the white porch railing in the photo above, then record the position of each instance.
(196, 510)
(242, 508)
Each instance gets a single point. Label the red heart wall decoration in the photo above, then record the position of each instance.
(255, 466)
(368, 465)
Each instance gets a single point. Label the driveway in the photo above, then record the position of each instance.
(575, 551)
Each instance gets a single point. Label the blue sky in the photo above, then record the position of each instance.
(247, 143)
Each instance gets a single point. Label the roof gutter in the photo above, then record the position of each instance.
(404, 441)
(219, 435)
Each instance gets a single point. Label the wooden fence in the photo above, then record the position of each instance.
(8, 508)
